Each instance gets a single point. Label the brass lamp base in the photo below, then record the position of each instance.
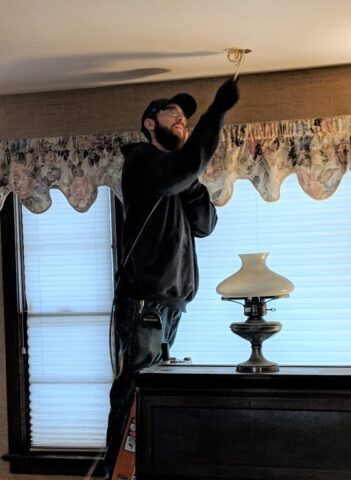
(256, 332)
(256, 329)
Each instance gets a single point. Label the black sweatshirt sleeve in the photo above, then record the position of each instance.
(156, 172)
(200, 211)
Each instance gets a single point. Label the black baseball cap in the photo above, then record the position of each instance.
(186, 102)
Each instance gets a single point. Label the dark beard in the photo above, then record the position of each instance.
(166, 138)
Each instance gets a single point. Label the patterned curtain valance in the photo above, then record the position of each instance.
(317, 151)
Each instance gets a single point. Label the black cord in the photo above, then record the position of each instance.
(117, 371)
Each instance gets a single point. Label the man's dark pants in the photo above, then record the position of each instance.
(139, 347)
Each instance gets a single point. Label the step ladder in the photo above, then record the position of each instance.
(125, 464)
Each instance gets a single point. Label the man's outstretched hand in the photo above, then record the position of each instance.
(226, 97)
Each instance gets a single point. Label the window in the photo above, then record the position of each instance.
(67, 267)
(68, 274)
(308, 241)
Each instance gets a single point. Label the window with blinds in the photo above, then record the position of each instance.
(68, 269)
(69, 288)
(309, 242)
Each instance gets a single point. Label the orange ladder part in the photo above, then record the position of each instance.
(125, 465)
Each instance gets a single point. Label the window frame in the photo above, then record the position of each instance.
(21, 457)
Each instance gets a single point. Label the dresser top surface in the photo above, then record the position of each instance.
(191, 376)
(230, 370)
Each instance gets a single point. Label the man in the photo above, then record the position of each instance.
(165, 208)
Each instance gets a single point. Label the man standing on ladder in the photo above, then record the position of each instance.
(165, 207)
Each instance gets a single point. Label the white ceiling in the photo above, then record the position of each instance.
(63, 44)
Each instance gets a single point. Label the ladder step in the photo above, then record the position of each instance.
(125, 465)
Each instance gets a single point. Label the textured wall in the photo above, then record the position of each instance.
(270, 96)
(264, 97)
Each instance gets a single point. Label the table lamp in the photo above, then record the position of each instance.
(256, 285)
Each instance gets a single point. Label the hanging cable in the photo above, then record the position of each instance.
(117, 369)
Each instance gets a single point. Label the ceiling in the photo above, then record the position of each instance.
(64, 44)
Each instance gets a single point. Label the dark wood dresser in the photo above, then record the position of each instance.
(210, 422)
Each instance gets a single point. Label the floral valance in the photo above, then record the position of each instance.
(317, 151)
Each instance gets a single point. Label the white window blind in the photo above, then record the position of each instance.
(309, 242)
(69, 288)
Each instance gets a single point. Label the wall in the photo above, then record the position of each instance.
(270, 96)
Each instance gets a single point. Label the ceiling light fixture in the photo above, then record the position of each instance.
(237, 56)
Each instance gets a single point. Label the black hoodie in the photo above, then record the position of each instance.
(163, 265)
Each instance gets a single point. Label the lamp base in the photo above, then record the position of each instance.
(246, 367)
(256, 332)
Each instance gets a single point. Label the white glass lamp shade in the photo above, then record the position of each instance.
(254, 279)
